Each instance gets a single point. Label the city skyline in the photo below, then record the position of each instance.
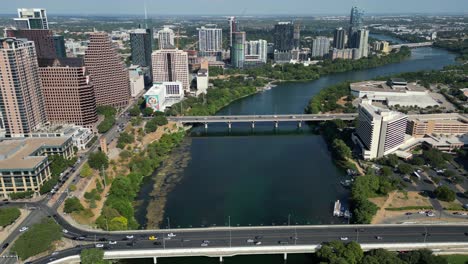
(241, 7)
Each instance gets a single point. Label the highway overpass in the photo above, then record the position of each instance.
(230, 119)
(225, 242)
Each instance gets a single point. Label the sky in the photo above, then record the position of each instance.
(236, 7)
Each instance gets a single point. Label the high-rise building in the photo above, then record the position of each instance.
(171, 65)
(362, 42)
(233, 27)
(141, 46)
(284, 36)
(68, 92)
(210, 39)
(379, 131)
(382, 46)
(21, 100)
(238, 50)
(59, 44)
(355, 23)
(108, 73)
(166, 38)
(339, 38)
(31, 18)
(345, 54)
(43, 40)
(320, 46)
(297, 36)
(257, 47)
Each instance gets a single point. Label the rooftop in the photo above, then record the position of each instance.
(61, 62)
(16, 154)
(447, 118)
(382, 86)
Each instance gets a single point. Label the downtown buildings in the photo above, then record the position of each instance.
(171, 65)
(109, 75)
(320, 46)
(141, 44)
(31, 18)
(238, 50)
(166, 38)
(21, 99)
(284, 43)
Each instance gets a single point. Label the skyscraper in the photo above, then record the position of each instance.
(140, 44)
(59, 44)
(238, 50)
(166, 38)
(171, 65)
(210, 39)
(379, 131)
(68, 92)
(107, 71)
(320, 46)
(43, 40)
(297, 36)
(339, 38)
(355, 23)
(284, 36)
(21, 100)
(233, 27)
(257, 47)
(31, 18)
(362, 42)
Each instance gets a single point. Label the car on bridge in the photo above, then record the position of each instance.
(152, 238)
(344, 238)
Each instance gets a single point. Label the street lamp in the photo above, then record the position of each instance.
(230, 232)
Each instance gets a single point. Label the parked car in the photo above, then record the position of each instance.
(99, 245)
(24, 228)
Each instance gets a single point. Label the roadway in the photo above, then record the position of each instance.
(270, 236)
(262, 118)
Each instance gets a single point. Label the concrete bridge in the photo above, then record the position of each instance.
(413, 45)
(230, 119)
(222, 242)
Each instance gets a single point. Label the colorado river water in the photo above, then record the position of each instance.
(263, 177)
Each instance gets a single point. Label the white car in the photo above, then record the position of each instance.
(204, 244)
(171, 235)
(99, 245)
(422, 212)
(430, 214)
(112, 242)
(343, 238)
(129, 236)
(65, 231)
(24, 228)
(250, 240)
(258, 243)
(54, 253)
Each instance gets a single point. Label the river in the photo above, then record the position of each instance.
(266, 177)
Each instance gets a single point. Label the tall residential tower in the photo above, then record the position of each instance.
(171, 65)
(21, 99)
(32, 18)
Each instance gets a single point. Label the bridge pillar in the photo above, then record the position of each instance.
(206, 125)
(276, 124)
(285, 256)
(299, 125)
(229, 125)
(221, 260)
(155, 260)
(253, 124)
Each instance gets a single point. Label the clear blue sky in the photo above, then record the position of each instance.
(235, 7)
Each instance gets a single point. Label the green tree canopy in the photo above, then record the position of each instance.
(72, 205)
(98, 160)
(93, 256)
(444, 193)
(86, 170)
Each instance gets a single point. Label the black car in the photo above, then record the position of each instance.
(157, 243)
(5, 245)
(103, 239)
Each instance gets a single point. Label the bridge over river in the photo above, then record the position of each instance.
(230, 119)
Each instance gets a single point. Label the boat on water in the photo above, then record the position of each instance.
(266, 88)
(346, 183)
(337, 208)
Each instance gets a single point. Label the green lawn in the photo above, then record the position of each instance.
(457, 259)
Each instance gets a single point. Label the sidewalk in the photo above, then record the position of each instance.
(5, 232)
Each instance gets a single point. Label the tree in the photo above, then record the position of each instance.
(444, 193)
(363, 211)
(422, 256)
(148, 111)
(381, 256)
(72, 205)
(93, 256)
(392, 160)
(124, 139)
(98, 160)
(86, 171)
(118, 223)
(150, 126)
(341, 150)
(405, 168)
(337, 252)
(434, 157)
(134, 111)
(417, 161)
(160, 120)
(386, 171)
